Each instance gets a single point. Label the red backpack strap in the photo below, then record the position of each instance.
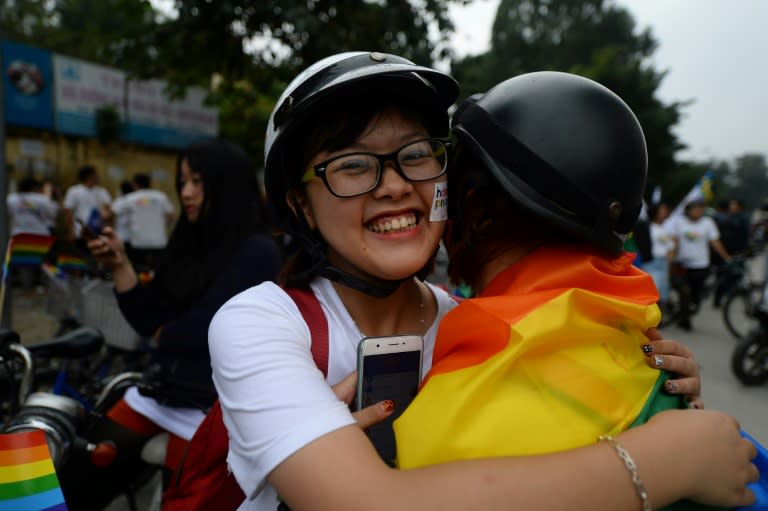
(203, 481)
(313, 314)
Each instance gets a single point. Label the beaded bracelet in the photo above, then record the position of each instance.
(630, 464)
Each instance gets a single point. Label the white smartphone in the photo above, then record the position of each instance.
(388, 368)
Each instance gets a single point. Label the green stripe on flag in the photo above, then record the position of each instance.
(27, 487)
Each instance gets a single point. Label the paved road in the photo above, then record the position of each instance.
(712, 345)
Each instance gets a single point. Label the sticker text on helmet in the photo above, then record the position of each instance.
(439, 209)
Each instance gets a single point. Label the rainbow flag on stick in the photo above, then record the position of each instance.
(26, 250)
(29, 249)
(71, 262)
(23, 250)
(28, 480)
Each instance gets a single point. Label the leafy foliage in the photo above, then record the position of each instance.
(116, 33)
(253, 47)
(245, 51)
(745, 179)
(593, 38)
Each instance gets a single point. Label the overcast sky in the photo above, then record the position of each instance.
(715, 52)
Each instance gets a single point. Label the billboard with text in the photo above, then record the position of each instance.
(81, 89)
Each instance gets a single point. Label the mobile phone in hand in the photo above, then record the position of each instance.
(85, 231)
(388, 368)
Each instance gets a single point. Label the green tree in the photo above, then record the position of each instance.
(254, 47)
(593, 38)
(746, 179)
(116, 33)
(20, 19)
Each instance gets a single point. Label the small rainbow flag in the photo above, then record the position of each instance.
(23, 249)
(145, 277)
(28, 480)
(53, 271)
(71, 262)
(26, 250)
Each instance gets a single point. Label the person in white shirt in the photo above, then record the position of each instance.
(31, 211)
(148, 215)
(87, 202)
(122, 222)
(662, 249)
(694, 234)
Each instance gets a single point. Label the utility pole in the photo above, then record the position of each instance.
(4, 228)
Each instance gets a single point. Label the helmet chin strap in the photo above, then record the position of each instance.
(377, 288)
(372, 286)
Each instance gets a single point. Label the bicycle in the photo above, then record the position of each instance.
(739, 305)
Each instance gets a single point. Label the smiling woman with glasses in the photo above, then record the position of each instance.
(352, 174)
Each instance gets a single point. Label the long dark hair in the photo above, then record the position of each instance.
(232, 210)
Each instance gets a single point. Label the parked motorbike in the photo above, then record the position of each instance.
(59, 416)
(63, 418)
(749, 360)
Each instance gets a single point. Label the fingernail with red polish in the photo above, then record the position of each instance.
(647, 349)
(388, 405)
(671, 386)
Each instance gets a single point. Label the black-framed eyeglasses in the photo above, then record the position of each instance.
(352, 174)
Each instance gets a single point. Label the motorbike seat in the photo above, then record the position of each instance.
(78, 343)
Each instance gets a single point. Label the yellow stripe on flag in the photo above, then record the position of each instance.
(24, 471)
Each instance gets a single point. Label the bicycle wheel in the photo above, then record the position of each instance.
(749, 361)
(739, 313)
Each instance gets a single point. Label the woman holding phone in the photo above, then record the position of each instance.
(355, 168)
(218, 248)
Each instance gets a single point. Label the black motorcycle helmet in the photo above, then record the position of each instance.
(334, 80)
(563, 147)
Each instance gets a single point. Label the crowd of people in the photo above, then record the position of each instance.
(684, 251)
(546, 173)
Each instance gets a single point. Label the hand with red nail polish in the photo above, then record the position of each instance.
(367, 417)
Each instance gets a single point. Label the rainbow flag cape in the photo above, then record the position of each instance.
(547, 358)
(27, 478)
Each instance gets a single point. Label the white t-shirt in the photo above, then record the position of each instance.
(31, 212)
(146, 214)
(83, 201)
(662, 241)
(693, 240)
(182, 422)
(122, 220)
(274, 398)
